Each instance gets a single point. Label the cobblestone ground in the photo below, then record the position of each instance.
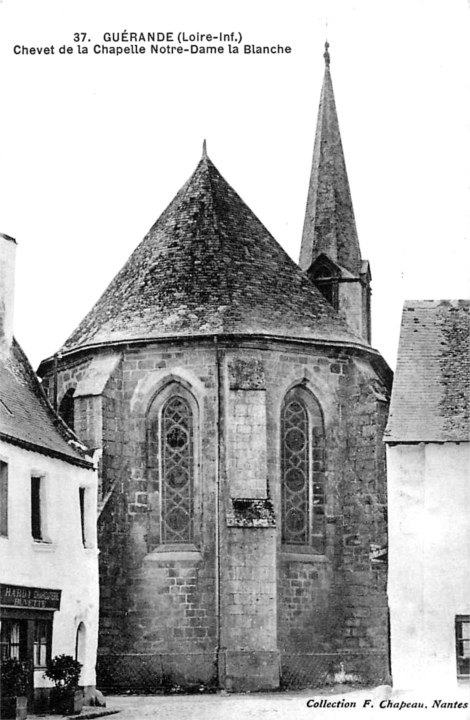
(364, 704)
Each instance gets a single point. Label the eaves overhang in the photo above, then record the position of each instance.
(377, 361)
(33, 447)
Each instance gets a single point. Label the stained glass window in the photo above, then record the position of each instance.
(302, 468)
(177, 453)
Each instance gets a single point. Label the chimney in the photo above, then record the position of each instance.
(7, 288)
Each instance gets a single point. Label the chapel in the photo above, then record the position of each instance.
(238, 408)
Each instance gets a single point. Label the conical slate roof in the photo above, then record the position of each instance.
(208, 266)
(329, 225)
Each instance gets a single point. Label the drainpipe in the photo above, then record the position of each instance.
(217, 491)
(56, 369)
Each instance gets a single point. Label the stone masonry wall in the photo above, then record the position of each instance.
(363, 489)
(248, 617)
(70, 373)
(245, 425)
(248, 610)
(309, 597)
(98, 422)
(337, 601)
(354, 306)
(164, 599)
(171, 603)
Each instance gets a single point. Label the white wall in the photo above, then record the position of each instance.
(62, 562)
(429, 559)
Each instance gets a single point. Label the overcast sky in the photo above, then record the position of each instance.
(93, 147)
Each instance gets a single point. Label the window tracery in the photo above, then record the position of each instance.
(302, 471)
(177, 453)
(171, 466)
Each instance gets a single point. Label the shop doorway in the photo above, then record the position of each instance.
(27, 637)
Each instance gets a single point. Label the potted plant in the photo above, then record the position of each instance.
(14, 689)
(66, 696)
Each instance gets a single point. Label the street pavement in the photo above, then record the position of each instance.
(338, 704)
(375, 704)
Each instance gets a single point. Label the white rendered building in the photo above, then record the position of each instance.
(429, 498)
(48, 546)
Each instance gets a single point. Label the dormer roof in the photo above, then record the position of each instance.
(324, 262)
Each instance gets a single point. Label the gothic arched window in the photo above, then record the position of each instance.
(172, 420)
(302, 471)
(177, 471)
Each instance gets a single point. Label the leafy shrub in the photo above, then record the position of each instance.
(64, 672)
(14, 678)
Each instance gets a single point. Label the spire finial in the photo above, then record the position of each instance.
(204, 149)
(326, 54)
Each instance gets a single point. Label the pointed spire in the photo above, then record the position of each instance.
(204, 150)
(330, 251)
(329, 225)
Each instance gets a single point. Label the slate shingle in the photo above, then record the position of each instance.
(26, 418)
(209, 266)
(430, 398)
(329, 226)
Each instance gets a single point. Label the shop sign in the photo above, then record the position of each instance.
(32, 598)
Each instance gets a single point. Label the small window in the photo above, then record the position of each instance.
(3, 499)
(328, 285)
(42, 643)
(462, 633)
(36, 508)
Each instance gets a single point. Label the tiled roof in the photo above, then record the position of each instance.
(430, 398)
(26, 418)
(208, 266)
(329, 225)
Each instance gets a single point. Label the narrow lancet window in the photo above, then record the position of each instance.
(177, 456)
(302, 470)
